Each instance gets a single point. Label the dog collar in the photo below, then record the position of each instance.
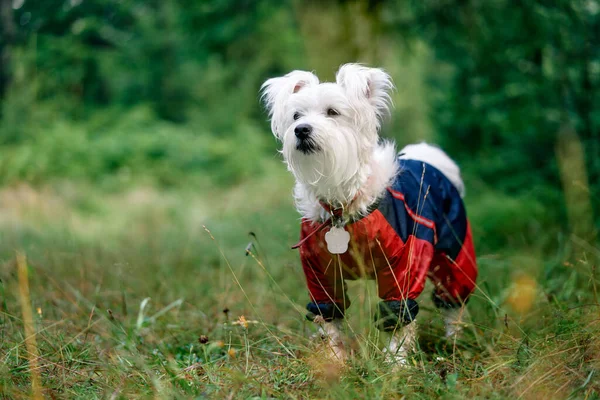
(337, 218)
(337, 214)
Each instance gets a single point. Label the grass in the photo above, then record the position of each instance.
(148, 293)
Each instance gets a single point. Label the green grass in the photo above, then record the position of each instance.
(125, 286)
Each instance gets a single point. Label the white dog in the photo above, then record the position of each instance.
(367, 211)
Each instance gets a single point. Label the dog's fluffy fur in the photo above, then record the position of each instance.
(351, 163)
(343, 162)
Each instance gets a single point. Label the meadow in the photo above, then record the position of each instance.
(146, 217)
(123, 291)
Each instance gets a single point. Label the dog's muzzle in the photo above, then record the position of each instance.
(304, 141)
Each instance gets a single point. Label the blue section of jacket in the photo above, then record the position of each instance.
(424, 203)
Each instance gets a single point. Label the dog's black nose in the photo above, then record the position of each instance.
(303, 131)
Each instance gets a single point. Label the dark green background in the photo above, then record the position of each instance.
(165, 93)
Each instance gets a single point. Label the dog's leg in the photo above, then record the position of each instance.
(332, 332)
(398, 318)
(453, 321)
(402, 342)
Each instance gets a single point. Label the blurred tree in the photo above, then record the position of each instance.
(370, 32)
(521, 71)
(7, 37)
(492, 81)
(71, 39)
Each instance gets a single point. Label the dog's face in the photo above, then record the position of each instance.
(328, 130)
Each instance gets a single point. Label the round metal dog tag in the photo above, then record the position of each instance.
(337, 240)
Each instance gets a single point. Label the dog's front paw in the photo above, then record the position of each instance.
(334, 348)
(398, 358)
(402, 343)
(453, 322)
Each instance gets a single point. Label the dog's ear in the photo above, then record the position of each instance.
(276, 91)
(371, 84)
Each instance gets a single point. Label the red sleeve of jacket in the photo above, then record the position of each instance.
(323, 275)
(404, 277)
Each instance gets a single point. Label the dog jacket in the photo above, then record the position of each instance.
(419, 228)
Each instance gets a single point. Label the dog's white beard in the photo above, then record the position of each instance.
(334, 172)
(340, 176)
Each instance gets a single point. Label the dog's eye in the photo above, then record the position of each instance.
(296, 116)
(332, 112)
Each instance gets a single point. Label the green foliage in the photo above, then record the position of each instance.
(172, 55)
(520, 75)
(136, 90)
(134, 147)
(499, 81)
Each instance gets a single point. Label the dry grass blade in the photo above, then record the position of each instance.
(30, 339)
